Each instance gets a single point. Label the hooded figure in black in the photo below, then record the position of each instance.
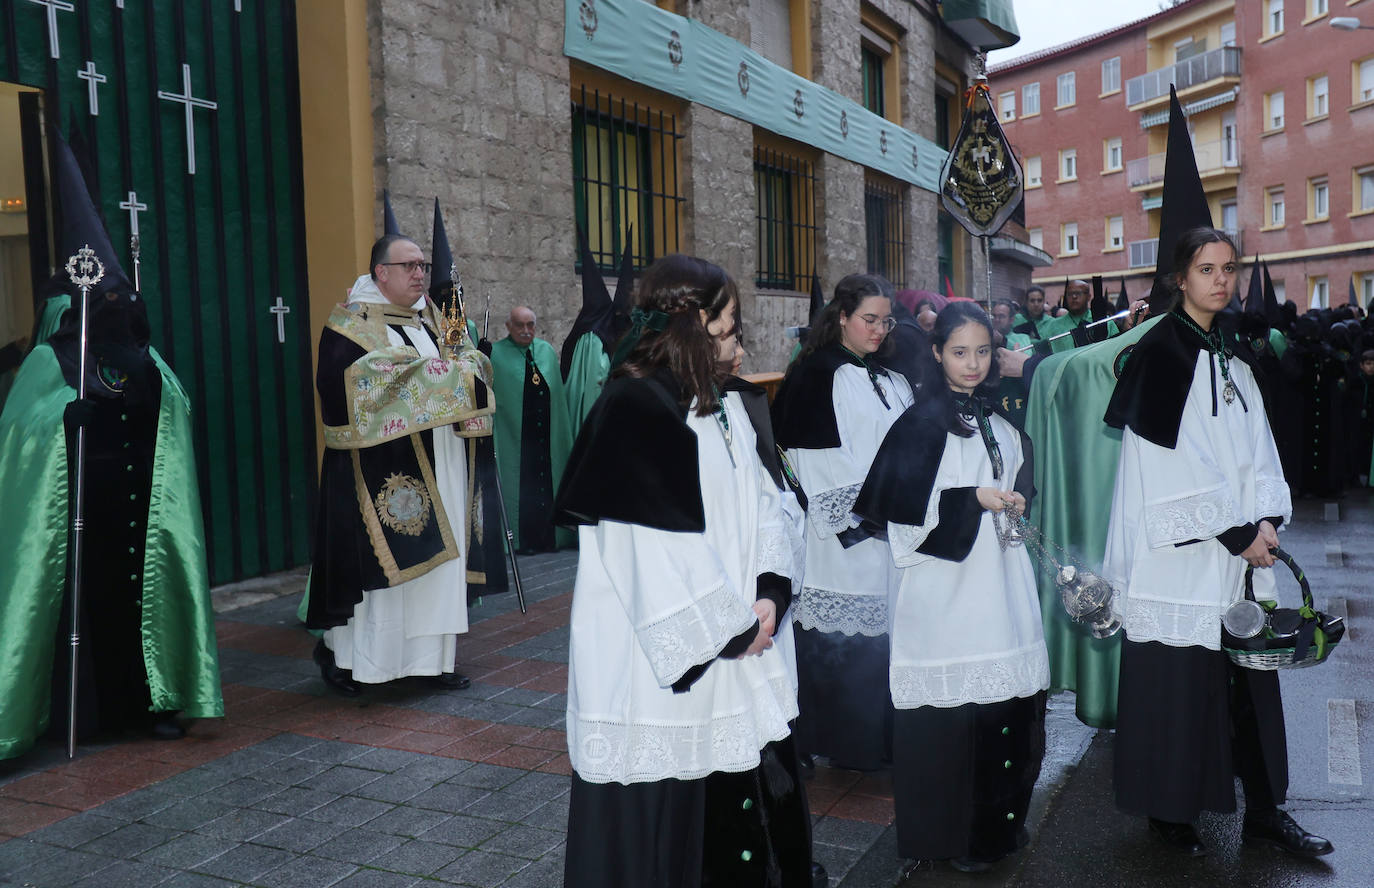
(1320, 376)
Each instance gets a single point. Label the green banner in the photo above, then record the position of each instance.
(683, 57)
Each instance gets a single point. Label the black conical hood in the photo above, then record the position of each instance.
(817, 299)
(1101, 307)
(1271, 299)
(1123, 301)
(81, 150)
(624, 289)
(1352, 299)
(1254, 295)
(441, 274)
(597, 309)
(1184, 203)
(389, 225)
(80, 223)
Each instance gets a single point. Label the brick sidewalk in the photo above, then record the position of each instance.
(296, 786)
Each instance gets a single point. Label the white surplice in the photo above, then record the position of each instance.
(1223, 473)
(650, 604)
(966, 631)
(412, 628)
(847, 590)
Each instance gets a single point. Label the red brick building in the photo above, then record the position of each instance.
(1281, 109)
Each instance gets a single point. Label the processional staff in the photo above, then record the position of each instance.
(85, 271)
(1116, 317)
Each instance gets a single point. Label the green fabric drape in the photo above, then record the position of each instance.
(508, 382)
(586, 375)
(178, 625)
(1075, 473)
(1065, 323)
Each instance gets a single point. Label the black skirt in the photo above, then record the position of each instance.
(746, 830)
(1188, 723)
(962, 777)
(846, 710)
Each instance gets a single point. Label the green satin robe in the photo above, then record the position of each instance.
(586, 376)
(1065, 323)
(1076, 456)
(179, 648)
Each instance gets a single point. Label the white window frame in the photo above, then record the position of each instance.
(1036, 238)
(1276, 211)
(1111, 75)
(1316, 8)
(1319, 293)
(1273, 18)
(1274, 120)
(1363, 198)
(1068, 164)
(1006, 105)
(1363, 85)
(1033, 172)
(1321, 96)
(1116, 238)
(1068, 239)
(1030, 99)
(1320, 189)
(1228, 33)
(1112, 164)
(1066, 89)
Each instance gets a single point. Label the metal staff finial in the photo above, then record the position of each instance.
(85, 270)
(1116, 317)
(135, 247)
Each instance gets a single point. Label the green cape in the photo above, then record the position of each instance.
(508, 383)
(1075, 473)
(586, 375)
(1039, 325)
(178, 625)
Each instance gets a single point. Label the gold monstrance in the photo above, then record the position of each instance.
(453, 318)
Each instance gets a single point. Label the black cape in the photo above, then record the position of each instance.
(804, 408)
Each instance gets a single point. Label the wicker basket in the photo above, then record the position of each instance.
(1291, 637)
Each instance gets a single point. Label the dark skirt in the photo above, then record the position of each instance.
(1188, 723)
(846, 710)
(745, 830)
(962, 777)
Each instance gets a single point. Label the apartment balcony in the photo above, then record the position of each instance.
(1216, 65)
(1220, 156)
(1145, 253)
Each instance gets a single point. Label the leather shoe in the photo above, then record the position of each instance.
(819, 877)
(340, 680)
(1181, 836)
(1279, 829)
(970, 864)
(166, 727)
(451, 681)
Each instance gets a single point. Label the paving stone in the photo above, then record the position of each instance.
(846, 833)
(370, 878)
(434, 768)
(62, 868)
(293, 770)
(77, 829)
(194, 782)
(404, 820)
(138, 804)
(245, 863)
(462, 831)
(295, 800)
(341, 779)
(242, 824)
(242, 762)
(537, 785)
(539, 718)
(482, 869)
(543, 873)
(553, 815)
(358, 846)
(298, 835)
(19, 853)
(393, 788)
(245, 791)
(350, 811)
(387, 759)
(130, 840)
(417, 857)
(332, 751)
(187, 850)
(524, 841)
(487, 776)
(126, 874)
(307, 872)
(197, 880)
(189, 814)
(448, 797)
(287, 743)
(500, 806)
(489, 710)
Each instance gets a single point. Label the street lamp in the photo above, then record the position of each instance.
(1349, 23)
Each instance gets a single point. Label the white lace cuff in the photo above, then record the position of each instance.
(832, 511)
(694, 634)
(830, 611)
(1273, 499)
(1172, 623)
(1018, 673)
(1198, 517)
(775, 553)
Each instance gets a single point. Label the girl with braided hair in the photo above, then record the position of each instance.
(679, 702)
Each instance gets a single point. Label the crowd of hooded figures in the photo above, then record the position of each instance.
(833, 577)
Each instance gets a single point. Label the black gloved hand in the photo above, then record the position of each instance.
(80, 412)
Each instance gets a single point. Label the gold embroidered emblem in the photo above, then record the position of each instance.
(403, 504)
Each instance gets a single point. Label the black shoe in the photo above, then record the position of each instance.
(819, 877)
(1277, 828)
(1181, 836)
(166, 727)
(970, 864)
(451, 681)
(340, 680)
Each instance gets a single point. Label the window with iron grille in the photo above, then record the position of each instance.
(625, 182)
(885, 222)
(785, 190)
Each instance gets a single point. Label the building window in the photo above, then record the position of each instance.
(1036, 236)
(1111, 155)
(1362, 80)
(1273, 111)
(1186, 49)
(1318, 97)
(1316, 8)
(1274, 198)
(1068, 239)
(1364, 190)
(785, 193)
(1318, 199)
(1273, 17)
(1365, 289)
(1319, 293)
(770, 30)
(944, 250)
(873, 82)
(1006, 105)
(1228, 34)
(1068, 164)
(1068, 91)
(1280, 291)
(885, 222)
(1111, 75)
(625, 182)
(1030, 99)
(1114, 240)
(1033, 172)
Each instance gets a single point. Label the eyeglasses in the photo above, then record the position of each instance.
(886, 323)
(410, 267)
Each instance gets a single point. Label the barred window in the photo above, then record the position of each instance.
(625, 182)
(785, 189)
(885, 221)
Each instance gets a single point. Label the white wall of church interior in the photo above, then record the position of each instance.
(471, 104)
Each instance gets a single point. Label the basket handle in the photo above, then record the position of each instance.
(1309, 631)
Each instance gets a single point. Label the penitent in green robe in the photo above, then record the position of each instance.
(586, 376)
(1075, 472)
(1065, 323)
(508, 383)
(178, 625)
